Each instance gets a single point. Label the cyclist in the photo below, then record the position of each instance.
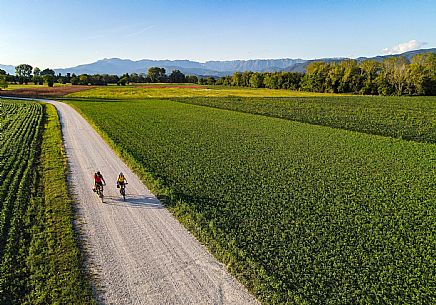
(121, 181)
(98, 181)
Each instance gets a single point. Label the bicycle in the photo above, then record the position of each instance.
(123, 190)
(99, 191)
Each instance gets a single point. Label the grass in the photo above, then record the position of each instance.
(299, 213)
(136, 92)
(411, 118)
(56, 264)
(41, 259)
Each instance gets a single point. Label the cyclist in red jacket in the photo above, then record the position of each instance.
(98, 181)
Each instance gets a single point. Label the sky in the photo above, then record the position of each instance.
(66, 33)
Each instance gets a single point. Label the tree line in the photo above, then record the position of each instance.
(25, 74)
(391, 76)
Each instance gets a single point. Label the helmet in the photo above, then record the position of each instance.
(98, 173)
(121, 174)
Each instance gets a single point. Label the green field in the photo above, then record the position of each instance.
(40, 259)
(300, 213)
(147, 91)
(410, 118)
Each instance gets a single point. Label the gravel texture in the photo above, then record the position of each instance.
(137, 252)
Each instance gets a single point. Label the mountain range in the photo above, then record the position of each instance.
(210, 68)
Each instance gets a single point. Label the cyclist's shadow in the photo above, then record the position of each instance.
(136, 201)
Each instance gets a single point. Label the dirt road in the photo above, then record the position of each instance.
(138, 252)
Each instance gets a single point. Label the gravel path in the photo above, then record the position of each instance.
(138, 252)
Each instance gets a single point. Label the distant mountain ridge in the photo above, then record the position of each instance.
(210, 68)
(9, 69)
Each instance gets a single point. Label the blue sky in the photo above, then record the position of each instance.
(61, 33)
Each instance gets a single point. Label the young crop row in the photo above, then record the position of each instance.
(410, 118)
(33, 268)
(300, 213)
(20, 135)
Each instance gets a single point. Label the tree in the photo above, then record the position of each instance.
(392, 79)
(334, 79)
(256, 80)
(351, 79)
(191, 79)
(210, 80)
(123, 81)
(369, 70)
(37, 79)
(83, 79)
(245, 80)
(291, 80)
(156, 74)
(421, 74)
(3, 81)
(271, 80)
(176, 77)
(36, 71)
(315, 78)
(49, 79)
(74, 80)
(23, 72)
(48, 72)
(2, 72)
(237, 79)
(225, 80)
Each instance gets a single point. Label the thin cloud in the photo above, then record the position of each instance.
(130, 30)
(140, 31)
(404, 47)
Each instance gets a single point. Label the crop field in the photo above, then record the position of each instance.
(20, 136)
(31, 85)
(179, 90)
(40, 261)
(410, 118)
(34, 91)
(301, 214)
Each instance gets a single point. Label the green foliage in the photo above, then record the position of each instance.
(315, 79)
(23, 72)
(3, 82)
(422, 74)
(49, 79)
(392, 76)
(411, 118)
(176, 77)
(40, 260)
(157, 75)
(191, 79)
(47, 71)
(37, 79)
(19, 153)
(74, 81)
(123, 81)
(302, 214)
(207, 81)
(36, 71)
